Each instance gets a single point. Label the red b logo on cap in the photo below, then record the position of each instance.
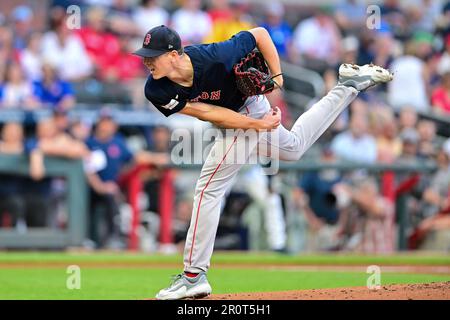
(147, 39)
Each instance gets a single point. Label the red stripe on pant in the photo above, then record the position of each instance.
(201, 197)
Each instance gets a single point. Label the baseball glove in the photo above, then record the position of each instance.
(253, 76)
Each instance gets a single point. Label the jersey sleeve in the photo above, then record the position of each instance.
(233, 50)
(163, 98)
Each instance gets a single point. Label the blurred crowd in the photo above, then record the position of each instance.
(54, 68)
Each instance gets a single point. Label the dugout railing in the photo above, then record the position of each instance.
(76, 201)
(77, 198)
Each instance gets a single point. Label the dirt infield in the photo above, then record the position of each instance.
(426, 291)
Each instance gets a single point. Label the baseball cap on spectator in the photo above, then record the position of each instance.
(22, 13)
(423, 37)
(158, 41)
(409, 135)
(60, 111)
(105, 113)
(275, 9)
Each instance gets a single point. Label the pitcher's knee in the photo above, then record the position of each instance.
(291, 156)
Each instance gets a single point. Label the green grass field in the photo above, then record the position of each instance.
(39, 275)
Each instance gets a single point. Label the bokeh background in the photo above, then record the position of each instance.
(376, 182)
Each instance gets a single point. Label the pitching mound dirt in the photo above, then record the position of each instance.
(426, 291)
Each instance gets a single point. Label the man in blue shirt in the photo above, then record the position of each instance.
(104, 188)
(199, 81)
(52, 91)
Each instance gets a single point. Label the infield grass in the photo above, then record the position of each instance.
(42, 275)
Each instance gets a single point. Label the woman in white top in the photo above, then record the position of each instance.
(149, 14)
(63, 49)
(31, 58)
(409, 86)
(188, 16)
(17, 91)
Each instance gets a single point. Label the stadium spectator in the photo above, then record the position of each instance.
(409, 86)
(12, 203)
(49, 141)
(104, 187)
(443, 22)
(53, 92)
(120, 18)
(223, 29)
(433, 232)
(124, 67)
(410, 144)
(66, 51)
(377, 215)
(266, 202)
(349, 47)
(219, 10)
(356, 144)
(407, 118)
(61, 119)
(317, 41)
(17, 91)
(150, 14)
(350, 16)
(436, 194)
(382, 48)
(317, 186)
(101, 45)
(22, 17)
(183, 19)
(102, 3)
(389, 145)
(428, 145)
(443, 64)
(392, 13)
(6, 49)
(31, 58)
(316, 198)
(80, 129)
(440, 98)
(424, 14)
(279, 29)
(160, 142)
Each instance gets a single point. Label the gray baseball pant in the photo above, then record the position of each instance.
(230, 152)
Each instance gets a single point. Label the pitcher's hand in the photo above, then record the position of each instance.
(272, 119)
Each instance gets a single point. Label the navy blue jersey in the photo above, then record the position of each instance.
(214, 80)
(117, 154)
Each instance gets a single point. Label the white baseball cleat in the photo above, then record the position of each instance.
(183, 287)
(363, 77)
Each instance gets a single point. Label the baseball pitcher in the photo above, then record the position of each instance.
(224, 83)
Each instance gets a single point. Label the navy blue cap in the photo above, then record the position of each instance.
(158, 41)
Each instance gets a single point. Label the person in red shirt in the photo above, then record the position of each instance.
(440, 98)
(101, 45)
(125, 66)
